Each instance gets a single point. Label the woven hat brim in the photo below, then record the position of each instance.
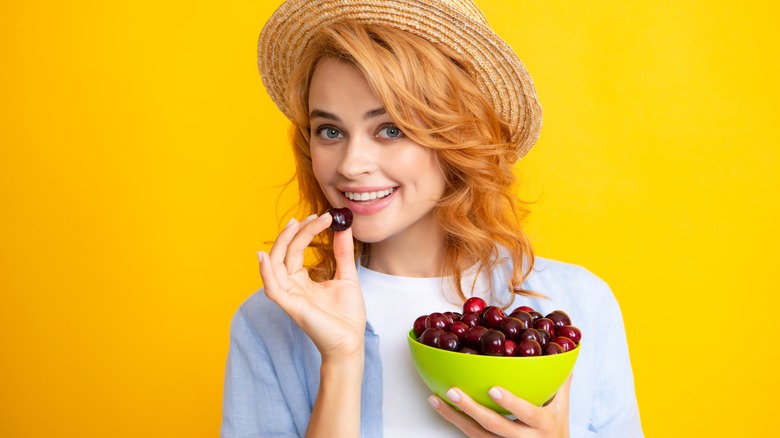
(501, 74)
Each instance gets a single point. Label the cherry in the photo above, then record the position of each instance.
(546, 336)
(430, 337)
(492, 317)
(527, 309)
(545, 324)
(448, 341)
(552, 348)
(342, 218)
(452, 316)
(493, 343)
(529, 348)
(570, 332)
(419, 325)
(459, 329)
(471, 319)
(437, 320)
(559, 317)
(474, 305)
(510, 348)
(524, 316)
(565, 342)
(536, 315)
(531, 335)
(512, 328)
(474, 337)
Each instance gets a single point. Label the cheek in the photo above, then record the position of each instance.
(321, 167)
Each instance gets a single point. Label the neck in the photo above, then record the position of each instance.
(411, 255)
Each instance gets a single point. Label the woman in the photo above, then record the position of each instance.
(411, 114)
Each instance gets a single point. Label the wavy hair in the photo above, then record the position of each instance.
(430, 92)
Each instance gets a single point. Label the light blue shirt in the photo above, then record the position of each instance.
(273, 368)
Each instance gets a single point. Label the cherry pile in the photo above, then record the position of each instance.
(488, 330)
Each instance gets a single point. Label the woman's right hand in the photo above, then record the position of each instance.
(331, 313)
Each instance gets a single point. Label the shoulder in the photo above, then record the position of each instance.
(263, 320)
(572, 288)
(552, 276)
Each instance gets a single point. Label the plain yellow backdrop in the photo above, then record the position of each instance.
(140, 165)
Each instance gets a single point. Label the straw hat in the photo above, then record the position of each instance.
(458, 24)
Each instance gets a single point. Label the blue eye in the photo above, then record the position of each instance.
(328, 133)
(391, 131)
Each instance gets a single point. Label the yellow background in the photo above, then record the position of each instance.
(139, 169)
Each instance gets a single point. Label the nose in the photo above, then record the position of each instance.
(359, 158)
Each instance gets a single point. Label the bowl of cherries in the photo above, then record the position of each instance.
(522, 351)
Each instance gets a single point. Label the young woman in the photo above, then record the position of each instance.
(411, 114)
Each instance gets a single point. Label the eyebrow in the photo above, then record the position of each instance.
(315, 113)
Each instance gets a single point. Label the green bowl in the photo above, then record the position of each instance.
(535, 379)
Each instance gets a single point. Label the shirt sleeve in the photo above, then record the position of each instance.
(253, 404)
(616, 413)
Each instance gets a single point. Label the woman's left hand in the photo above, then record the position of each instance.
(532, 421)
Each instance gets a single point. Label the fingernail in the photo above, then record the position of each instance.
(434, 402)
(495, 393)
(290, 222)
(310, 218)
(453, 395)
(324, 215)
(260, 257)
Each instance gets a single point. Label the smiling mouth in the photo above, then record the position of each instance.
(369, 196)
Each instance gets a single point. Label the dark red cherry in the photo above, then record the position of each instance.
(510, 348)
(430, 337)
(474, 336)
(526, 309)
(471, 319)
(342, 218)
(492, 317)
(474, 305)
(552, 348)
(559, 317)
(459, 329)
(437, 320)
(419, 325)
(523, 316)
(529, 348)
(512, 328)
(448, 341)
(452, 316)
(565, 342)
(546, 336)
(531, 335)
(545, 324)
(493, 343)
(536, 315)
(570, 332)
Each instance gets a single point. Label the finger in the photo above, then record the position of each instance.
(344, 252)
(279, 248)
(487, 418)
(560, 402)
(293, 259)
(466, 424)
(271, 285)
(531, 415)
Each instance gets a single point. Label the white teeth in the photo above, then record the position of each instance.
(367, 196)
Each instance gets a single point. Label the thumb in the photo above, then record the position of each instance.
(344, 252)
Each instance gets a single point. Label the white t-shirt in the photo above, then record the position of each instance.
(405, 408)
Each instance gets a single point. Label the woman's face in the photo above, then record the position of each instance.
(363, 161)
